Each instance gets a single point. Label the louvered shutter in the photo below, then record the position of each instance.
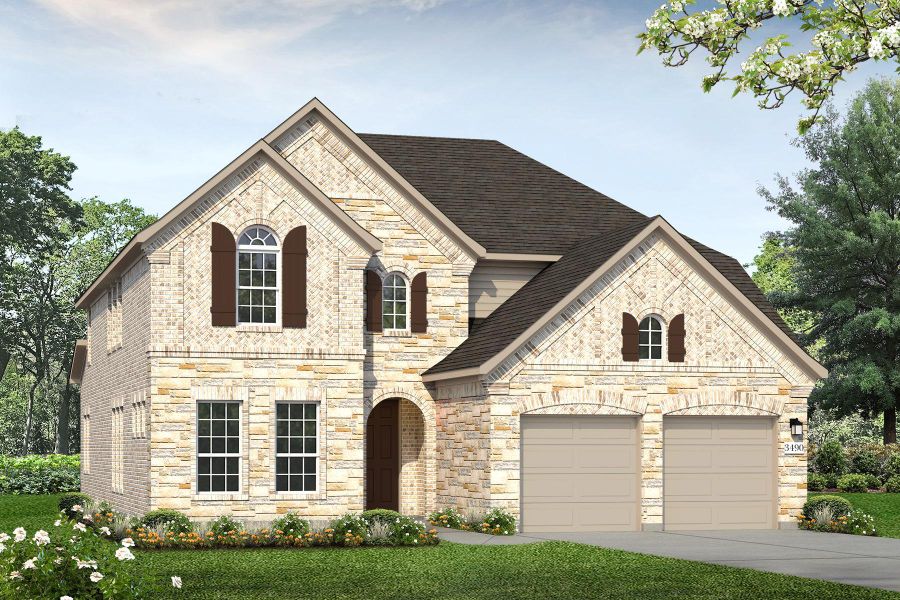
(676, 339)
(293, 270)
(629, 338)
(373, 301)
(223, 250)
(419, 308)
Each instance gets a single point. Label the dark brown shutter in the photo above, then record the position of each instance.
(373, 301)
(419, 308)
(293, 270)
(224, 264)
(629, 338)
(676, 339)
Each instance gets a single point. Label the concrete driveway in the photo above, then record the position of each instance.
(857, 560)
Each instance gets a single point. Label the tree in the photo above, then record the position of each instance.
(846, 33)
(774, 274)
(845, 232)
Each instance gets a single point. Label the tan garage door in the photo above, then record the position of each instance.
(719, 473)
(580, 473)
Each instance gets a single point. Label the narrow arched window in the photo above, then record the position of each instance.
(257, 289)
(650, 339)
(395, 303)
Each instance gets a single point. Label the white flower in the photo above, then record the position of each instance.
(80, 527)
(780, 8)
(127, 542)
(15, 575)
(66, 598)
(96, 576)
(4, 537)
(124, 554)
(85, 564)
(76, 508)
(56, 523)
(676, 5)
(88, 517)
(694, 27)
(176, 581)
(29, 564)
(877, 49)
(2, 547)
(105, 530)
(20, 533)
(790, 71)
(41, 538)
(57, 560)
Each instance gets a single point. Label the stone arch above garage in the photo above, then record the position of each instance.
(583, 401)
(722, 403)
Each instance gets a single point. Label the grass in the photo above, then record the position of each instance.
(551, 570)
(884, 507)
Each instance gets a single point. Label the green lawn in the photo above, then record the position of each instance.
(884, 507)
(551, 570)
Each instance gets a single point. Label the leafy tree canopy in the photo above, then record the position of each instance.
(774, 274)
(844, 33)
(845, 235)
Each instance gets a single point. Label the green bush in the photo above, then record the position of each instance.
(449, 517)
(866, 462)
(839, 506)
(291, 524)
(873, 482)
(892, 485)
(853, 482)
(892, 465)
(815, 482)
(406, 532)
(497, 522)
(168, 519)
(830, 459)
(381, 515)
(225, 525)
(350, 530)
(37, 474)
(831, 481)
(70, 499)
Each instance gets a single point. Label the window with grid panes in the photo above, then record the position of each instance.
(218, 446)
(296, 446)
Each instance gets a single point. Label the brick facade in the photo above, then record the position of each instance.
(154, 354)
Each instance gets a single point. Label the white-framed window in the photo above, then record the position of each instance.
(650, 338)
(296, 446)
(117, 470)
(395, 303)
(218, 446)
(257, 277)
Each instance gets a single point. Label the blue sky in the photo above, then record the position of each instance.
(151, 98)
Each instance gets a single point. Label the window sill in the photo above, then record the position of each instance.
(219, 496)
(297, 495)
(259, 328)
(396, 333)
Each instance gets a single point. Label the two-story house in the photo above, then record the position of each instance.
(337, 321)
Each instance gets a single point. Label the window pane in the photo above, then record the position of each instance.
(281, 445)
(310, 410)
(244, 295)
(387, 322)
(256, 315)
(218, 410)
(244, 314)
(296, 465)
(203, 410)
(281, 483)
(309, 428)
(232, 483)
(296, 411)
(268, 315)
(232, 410)
(270, 279)
(656, 337)
(243, 279)
(218, 445)
(657, 352)
(644, 352)
(282, 411)
(233, 446)
(643, 337)
(310, 444)
(257, 260)
(203, 445)
(309, 465)
(218, 427)
(203, 466)
(281, 465)
(243, 259)
(296, 445)
(203, 427)
(269, 261)
(269, 297)
(281, 428)
(218, 465)
(296, 483)
(310, 483)
(218, 483)
(203, 484)
(232, 465)
(400, 322)
(400, 293)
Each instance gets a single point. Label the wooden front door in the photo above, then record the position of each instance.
(383, 456)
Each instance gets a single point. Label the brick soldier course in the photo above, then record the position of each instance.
(394, 205)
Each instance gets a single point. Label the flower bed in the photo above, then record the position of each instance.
(495, 522)
(75, 559)
(833, 514)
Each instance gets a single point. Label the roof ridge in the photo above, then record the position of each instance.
(431, 137)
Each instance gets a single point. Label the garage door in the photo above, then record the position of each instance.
(580, 473)
(719, 473)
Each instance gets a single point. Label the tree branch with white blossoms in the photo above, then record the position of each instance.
(846, 33)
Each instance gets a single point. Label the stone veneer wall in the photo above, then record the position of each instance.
(412, 459)
(118, 376)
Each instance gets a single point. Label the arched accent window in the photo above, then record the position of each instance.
(257, 289)
(650, 338)
(395, 302)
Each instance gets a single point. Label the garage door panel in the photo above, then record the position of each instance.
(579, 473)
(719, 473)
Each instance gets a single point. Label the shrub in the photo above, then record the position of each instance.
(830, 459)
(381, 514)
(39, 474)
(449, 517)
(815, 482)
(350, 530)
(68, 560)
(225, 525)
(831, 481)
(290, 524)
(406, 532)
(853, 482)
(892, 485)
(497, 522)
(866, 462)
(379, 534)
(839, 506)
(67, 501)
(823, 518)
(872, 482)
(892, 465)
(167, 519)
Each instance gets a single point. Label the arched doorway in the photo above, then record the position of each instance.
(383, 455)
